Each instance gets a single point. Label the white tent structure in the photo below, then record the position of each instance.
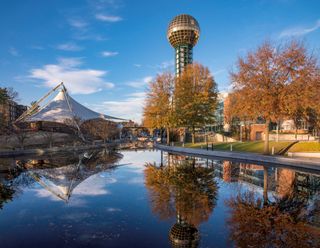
(62, 109)
(61, 180)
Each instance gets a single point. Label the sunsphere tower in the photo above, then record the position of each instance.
(183, 34)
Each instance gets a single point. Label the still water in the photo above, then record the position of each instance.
(153, 199)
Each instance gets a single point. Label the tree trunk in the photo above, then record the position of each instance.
(265, 185)
(161, 135)
(246, 132)
(296, 133)
(277, 131)
(168, 136)
(193, 134)
(266, 138)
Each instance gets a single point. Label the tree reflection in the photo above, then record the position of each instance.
(183, 190)
(255, 222)
(6, 194)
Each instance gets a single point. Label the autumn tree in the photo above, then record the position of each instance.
(181, 189)
(102, 129)
(313, 117)
(266, 83)
(195, 98)
(313, 112)
(279, 224)
(301, 87)
(158, 109)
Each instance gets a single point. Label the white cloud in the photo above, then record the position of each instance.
(140, 83)
(109, 54)
(43, 193)
(164, 65)
(77, 80)
(137, 65)
(86, 36)
(70, 62)
(13, 51)
(114, 210)
(130, 108)
(136, 180)
(72, 47)
(299, 31)
(92, 186)
(106, 4)
(108, 18)
(218, 72)
(78, 23)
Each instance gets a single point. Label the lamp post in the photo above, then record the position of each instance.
(241, 125)
(120, 127)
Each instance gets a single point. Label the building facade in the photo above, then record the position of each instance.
(10, 111)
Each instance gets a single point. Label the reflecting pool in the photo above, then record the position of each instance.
(155, 199)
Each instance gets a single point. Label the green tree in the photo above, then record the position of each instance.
(3, 95)
(195, 98)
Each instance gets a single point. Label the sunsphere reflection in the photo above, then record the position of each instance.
(184, 189)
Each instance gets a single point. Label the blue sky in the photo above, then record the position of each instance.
(106, 51)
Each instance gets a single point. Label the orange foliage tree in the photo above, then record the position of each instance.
(158, 109)
(280, 224)
(195, 97)
(181, 189)
(273, 83)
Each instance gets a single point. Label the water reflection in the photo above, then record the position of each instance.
(289, 218)
(185, 189)
(270, 207)
(6, 194)
(59, 175)
(283, 223)
(81, 200)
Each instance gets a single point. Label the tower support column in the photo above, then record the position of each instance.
(184, 56)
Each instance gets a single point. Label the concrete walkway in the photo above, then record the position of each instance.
(310, 164)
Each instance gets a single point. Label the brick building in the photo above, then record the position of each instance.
(10, 111)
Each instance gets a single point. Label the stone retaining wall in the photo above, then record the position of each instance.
(21, 152)
(304, 154)
(245, 157)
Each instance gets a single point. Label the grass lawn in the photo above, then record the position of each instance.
(254, 146)
(306, 147)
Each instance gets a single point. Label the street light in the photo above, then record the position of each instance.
(241, 125)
